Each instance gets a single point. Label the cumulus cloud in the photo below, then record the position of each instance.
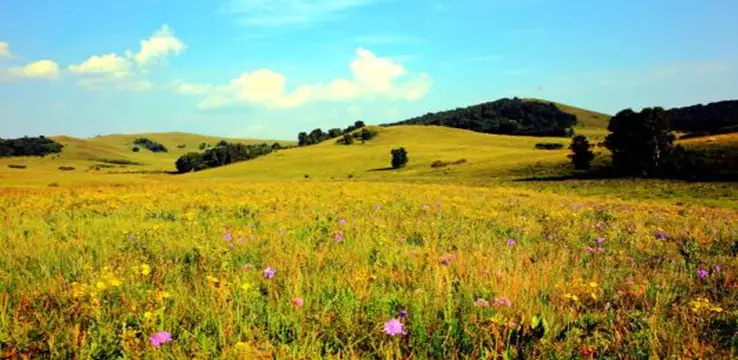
(4, 49)
(158, 47)
(42, 69)
(105, 64)
(372, 77)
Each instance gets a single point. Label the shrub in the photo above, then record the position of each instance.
(190, 162)
(14, 166)
(181, 146)
(66, 168)
(346, 139)
(549, 146)
(438, 164)
(581, 155)
(367, 134)
(136, 149)
(399, 158)
(203, 146)
(153, 146)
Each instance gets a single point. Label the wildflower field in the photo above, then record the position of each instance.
(361, 270)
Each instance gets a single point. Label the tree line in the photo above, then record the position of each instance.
(505, 116)
(152, 145)
(29, 146)
(705, 119)
(642, 145)
(223, 153)
(318, 135)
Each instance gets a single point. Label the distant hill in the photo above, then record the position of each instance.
(505, 117)
(712, 118)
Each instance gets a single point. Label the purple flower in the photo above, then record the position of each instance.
(447, 259)
(338, 237)
(160, 338)
(394, 327)
(228, 237)
(716, 269)
(702, 273)
(377, 207)
(511, 242)
(502, 302)
(342, 222)
(482, 303)
(269, 272)
(600, 240)
(402, 314)
(660, 236)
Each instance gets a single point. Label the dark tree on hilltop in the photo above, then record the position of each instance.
(29, 146)
(710, 118)
(640, 142)
(504, 116)
(581, 155)
(334, 133)
(359, 124)
(152, 145)
(399, 158)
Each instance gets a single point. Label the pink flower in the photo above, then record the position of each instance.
(394, 327)
(270, 272)
(297, 302)
(160, 338)
(502, 302)
(481, 303)
(511, 242)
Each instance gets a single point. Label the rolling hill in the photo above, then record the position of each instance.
(487, 156)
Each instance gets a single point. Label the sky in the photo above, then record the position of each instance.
(271, 68)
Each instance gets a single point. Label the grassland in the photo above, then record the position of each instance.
(472, 262)
(591, 124)
(91, 272)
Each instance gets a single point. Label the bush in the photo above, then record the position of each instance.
(136, 149)
(181, 146)
(190, 162)
(549, 146)
(29, 146)
(399, 158)
(439, 164)
(153, 146)
(13, 166)
(581, 155)
(66, 168)
(346, 139)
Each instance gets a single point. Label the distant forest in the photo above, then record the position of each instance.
(504, 116)
(700, 119)
(29, 146)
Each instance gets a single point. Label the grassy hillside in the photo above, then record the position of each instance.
(589, 123)
(487, 156)
(110, 153)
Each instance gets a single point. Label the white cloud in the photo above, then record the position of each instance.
(42, 69)
(276, 13)
(372, 77)
(105, 64)
(4, 50)
(160, 45)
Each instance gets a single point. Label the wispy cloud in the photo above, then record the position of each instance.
(276, 13)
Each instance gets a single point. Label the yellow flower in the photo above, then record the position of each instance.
(147, 315)
(592, 284)
(114, 282)
(145, 269)
(246, 286)
(101, 285)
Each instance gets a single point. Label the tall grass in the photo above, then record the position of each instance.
(92, 272)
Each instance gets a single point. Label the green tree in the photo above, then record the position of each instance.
(334, 133)
(190, 162)
(581, 153)
(640, 142)
(346, 139)
(399, 158)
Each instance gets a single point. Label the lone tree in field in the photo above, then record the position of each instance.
(581, 155)
(640, 142)
(399, 158)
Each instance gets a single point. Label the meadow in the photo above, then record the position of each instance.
(323, 252)
(361, 270)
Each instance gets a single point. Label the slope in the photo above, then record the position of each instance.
(486, 156)
(589, 123)
(87, 160)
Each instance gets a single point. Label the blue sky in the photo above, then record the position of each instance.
(272, 68)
